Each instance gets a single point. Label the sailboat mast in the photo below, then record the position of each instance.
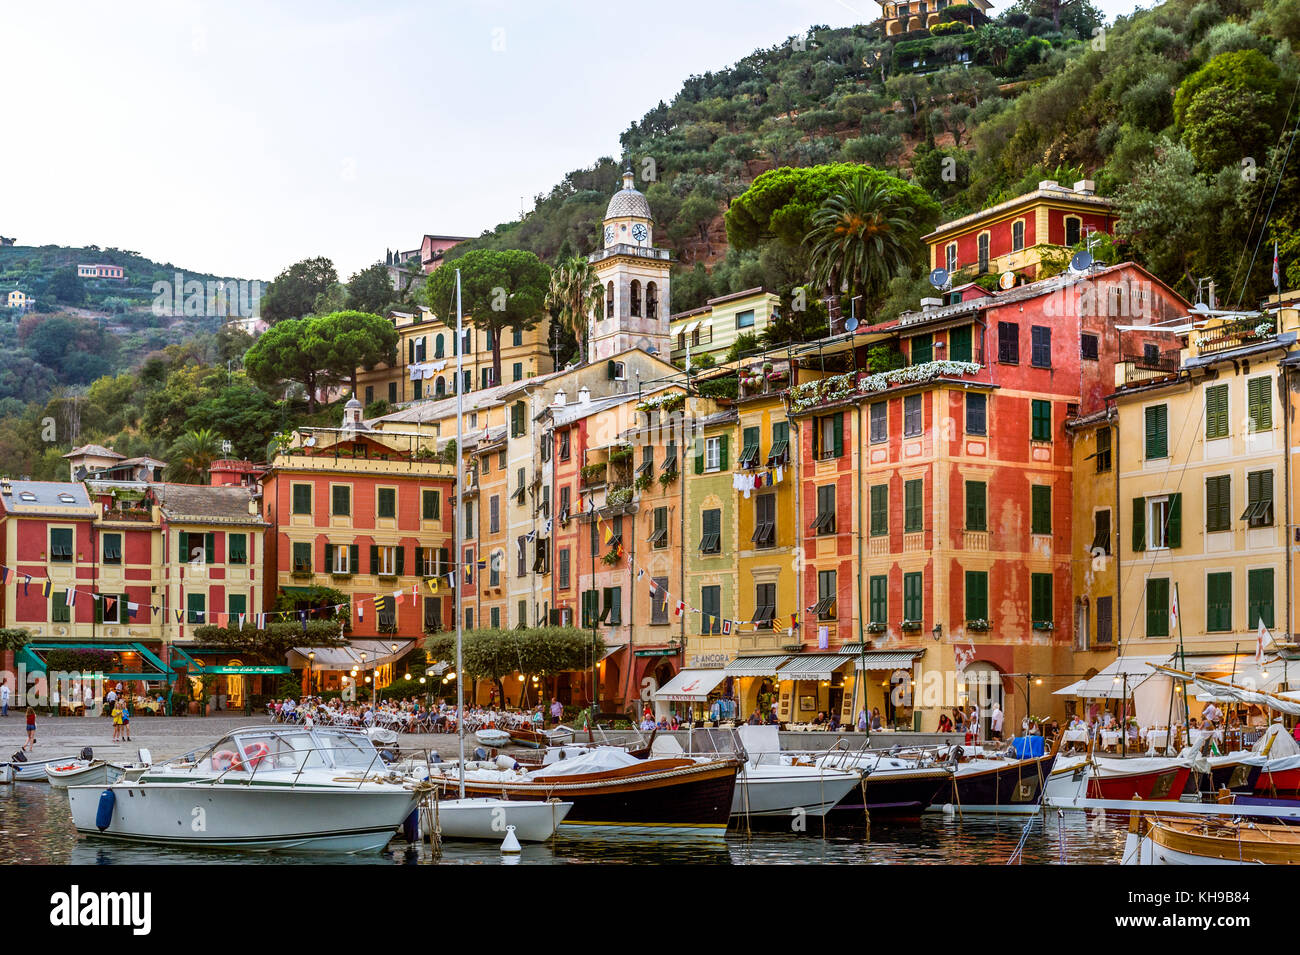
(457, 517)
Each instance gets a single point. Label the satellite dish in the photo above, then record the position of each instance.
(940, 278)
(850, 324)
(1007, 280)
(309, 442)
(79, 474)
(1081, 261)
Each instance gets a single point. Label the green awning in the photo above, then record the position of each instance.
(33, 654)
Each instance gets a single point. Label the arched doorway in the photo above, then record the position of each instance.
(982, 684)
(662, 674)
(234, 687)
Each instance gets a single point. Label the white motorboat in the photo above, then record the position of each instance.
(34, 770)
(267, 787)
(493, 737)
(487, 818)
(6, 773)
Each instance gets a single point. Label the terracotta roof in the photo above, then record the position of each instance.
(96, 449)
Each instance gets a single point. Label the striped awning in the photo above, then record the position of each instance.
(887, 659)
(755, 666)
(813, 666)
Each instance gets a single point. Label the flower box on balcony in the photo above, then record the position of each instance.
(877, 627)
(979, 626)
(1044, 625)
(910, 626)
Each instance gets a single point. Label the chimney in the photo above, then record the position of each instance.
(1085, 187)
(559, 399)
(5, 487)
(584, 395)
(1049, 184)
(929, 304)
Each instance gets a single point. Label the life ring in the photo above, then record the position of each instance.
(255, 753)
(226, 759)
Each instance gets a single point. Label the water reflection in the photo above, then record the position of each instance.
(36, 828)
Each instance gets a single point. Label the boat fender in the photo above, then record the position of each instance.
(104, 814)
(505, 762)
(387, 755)
(87, 753)
(480, 753)
(411, 827)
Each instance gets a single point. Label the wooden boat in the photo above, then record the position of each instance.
(999, 786)
(680, 795)
(1183, 840)
(1235, 772)
(83, 772)
(493, 737)
(538, 739)
(892, 786)
(1093, 777)
(6, 773)
(34, 770)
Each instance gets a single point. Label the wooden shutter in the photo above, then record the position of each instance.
(977, 595)
(975, 506)
(374, 558)
(722, 452)
(838, 428)
(1216, 411)
(401, 559)
(354, 558)
(699, 455)
(1156, 436)
(210, 548)
(1260, 403)
(329, 558)
(1139, 524)
(1175, 536)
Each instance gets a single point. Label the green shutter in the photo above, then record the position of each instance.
(374, 558)
(1139, 524)
(1157, 437)
(329, 558)
(1216, 411)
(977, 595)
(976, 506)
(99, 608)
(879, 599)
(1259, 596)
(401, 559)
(838, 426)
(722, 452)
(913, 506)
(913, 585)
(1218, 606)
(699, 455)
(879, 510)
(960, 343)
(1218, 503)
(354, 559)
(1175, 535)
(210, 548)
(1040, 598)
(1158, 607)
(1041, 509)
(1260, 403)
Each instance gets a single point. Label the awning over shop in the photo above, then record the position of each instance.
(690, 686)
(887, 659)
(378, 653)
(187, 657)
(1120, 675)
(135, 660)
(813, 666)
(755, 666)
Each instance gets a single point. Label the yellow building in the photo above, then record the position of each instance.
(1094, 559)
(712, 328)
(1202, 457)
(426, 359)
(907, 17)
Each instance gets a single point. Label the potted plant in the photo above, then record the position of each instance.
(667, 477)
(910, 626)
(979, 625)
(642, 482)
(1045, 625)
(610, 558)
(877, 627)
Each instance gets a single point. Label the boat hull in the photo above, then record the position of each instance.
(694, 798)
(487, 819)
(1284, 783)
(780, 792)
(1068, 784)
(34, 771)
(1001, 788)
(237, 816)
(903, 794)
(1180, 841)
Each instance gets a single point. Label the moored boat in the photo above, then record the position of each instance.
(83, 772)
(493, 737)
(995, 785)
(1074, 778)
(1180, 840)
(279, 787)
(612, 789)
(893, 785)
(486, 818)
(34, 770)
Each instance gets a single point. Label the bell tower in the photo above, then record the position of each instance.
(635, 276)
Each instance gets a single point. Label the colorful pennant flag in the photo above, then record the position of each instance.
(46, 588)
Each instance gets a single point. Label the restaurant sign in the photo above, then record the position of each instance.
(243, 670)
(708, 661)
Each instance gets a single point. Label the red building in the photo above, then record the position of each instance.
(936, 498)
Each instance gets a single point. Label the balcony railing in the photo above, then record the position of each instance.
(644, 252)
(1140, 368)
(1232, 335)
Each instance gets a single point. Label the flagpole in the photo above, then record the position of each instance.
(457, 517)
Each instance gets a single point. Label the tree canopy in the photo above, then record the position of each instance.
(500, 290)
(493, 653)
(293, 292)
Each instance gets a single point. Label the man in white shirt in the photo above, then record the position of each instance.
(4, 699)
(996, 720)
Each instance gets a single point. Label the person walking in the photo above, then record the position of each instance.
(995, 720)
(30, 745)
(4, 699)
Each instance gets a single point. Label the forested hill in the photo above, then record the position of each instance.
(1179, 112)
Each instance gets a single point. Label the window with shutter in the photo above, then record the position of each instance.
(1218, 503)
(1041, 608)
(1040, 509)
(659, 534)
(825, 520)
(959, 343)
(1157, 432)
(913, 596)
(780, 453)
(912, 422)
(711, 609)
(879, 603)
(976, 413)
(1102, 454)
(976, 506)
(879, 510)
(1259, 597)
(386, 502)
(913, 506)
(1216, 411)
(340, 500)
(1259, 403)
(1009, 343)
(977, 595)
(1218, 602)
(1040, 339)
(1259, 499)
(711, 541)
(750, 449)
(1105, 613)
(922, 349)
(1139, 524)
(827, 583)
(879, 422)
(1041, 424)
(238, 544)
(1157, 607)
(1101, 531)
(764, 606)
(764, 521)
(659, 602)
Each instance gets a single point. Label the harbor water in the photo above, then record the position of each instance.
(36, 828)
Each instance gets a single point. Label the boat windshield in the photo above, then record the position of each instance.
(346, 750)
(263, 749)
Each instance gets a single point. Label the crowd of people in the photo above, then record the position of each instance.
(409, 715)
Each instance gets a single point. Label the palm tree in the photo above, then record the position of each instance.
(190, 456)
(575, 294)
(861, 236)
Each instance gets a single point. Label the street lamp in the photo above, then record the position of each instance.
(311, 669)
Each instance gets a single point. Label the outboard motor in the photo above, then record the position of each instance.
(18, 757)
(954, 756)
(87, 753)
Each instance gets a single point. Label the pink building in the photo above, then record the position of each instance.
(101, 272)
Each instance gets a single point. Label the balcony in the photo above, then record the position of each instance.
(1236, 334)
(1136, 369)
(639, 251)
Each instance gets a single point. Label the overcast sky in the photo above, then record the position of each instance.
(239, 137)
